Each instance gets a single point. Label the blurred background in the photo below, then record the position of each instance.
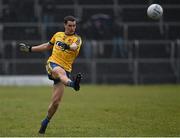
(121, 45)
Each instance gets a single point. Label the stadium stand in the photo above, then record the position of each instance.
(153, 46)
(21, 33)
(150, 32)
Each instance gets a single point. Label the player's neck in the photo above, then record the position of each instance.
(68, 34)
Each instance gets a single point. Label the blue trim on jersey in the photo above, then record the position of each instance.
(51, 43)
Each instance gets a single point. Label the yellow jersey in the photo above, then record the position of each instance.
(64, 58)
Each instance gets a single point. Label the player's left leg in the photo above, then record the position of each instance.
(57, 94)
(62, 75)
(57, 73)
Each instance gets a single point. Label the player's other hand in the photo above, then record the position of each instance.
(24, 48)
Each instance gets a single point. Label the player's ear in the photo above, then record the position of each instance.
(65, 23)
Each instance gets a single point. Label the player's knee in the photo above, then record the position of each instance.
(58, 73)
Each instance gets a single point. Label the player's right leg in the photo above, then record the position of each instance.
(57, 94)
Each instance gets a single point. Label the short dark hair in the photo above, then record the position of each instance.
(69, 18)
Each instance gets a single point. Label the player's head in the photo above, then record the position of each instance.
(69, 25)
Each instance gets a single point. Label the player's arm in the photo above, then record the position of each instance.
(74, 46)
(64, 46)
(39, 48)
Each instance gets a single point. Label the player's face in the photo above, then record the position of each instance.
(70, 27)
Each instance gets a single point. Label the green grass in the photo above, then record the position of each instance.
(120, 110)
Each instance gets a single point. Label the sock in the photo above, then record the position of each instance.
(70, 83)
(48, 118)
(45, 121)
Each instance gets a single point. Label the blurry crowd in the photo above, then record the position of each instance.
(98, 31)
(102, 34)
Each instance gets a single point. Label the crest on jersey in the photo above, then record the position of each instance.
(69, 40)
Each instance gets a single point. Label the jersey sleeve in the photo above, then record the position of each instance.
(78, 42)
(52, 41)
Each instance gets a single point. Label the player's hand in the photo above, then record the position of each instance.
(24, 48)
(63, 46)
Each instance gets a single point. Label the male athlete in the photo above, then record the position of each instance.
(65, 48)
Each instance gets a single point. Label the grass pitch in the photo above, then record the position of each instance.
(107, 111)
